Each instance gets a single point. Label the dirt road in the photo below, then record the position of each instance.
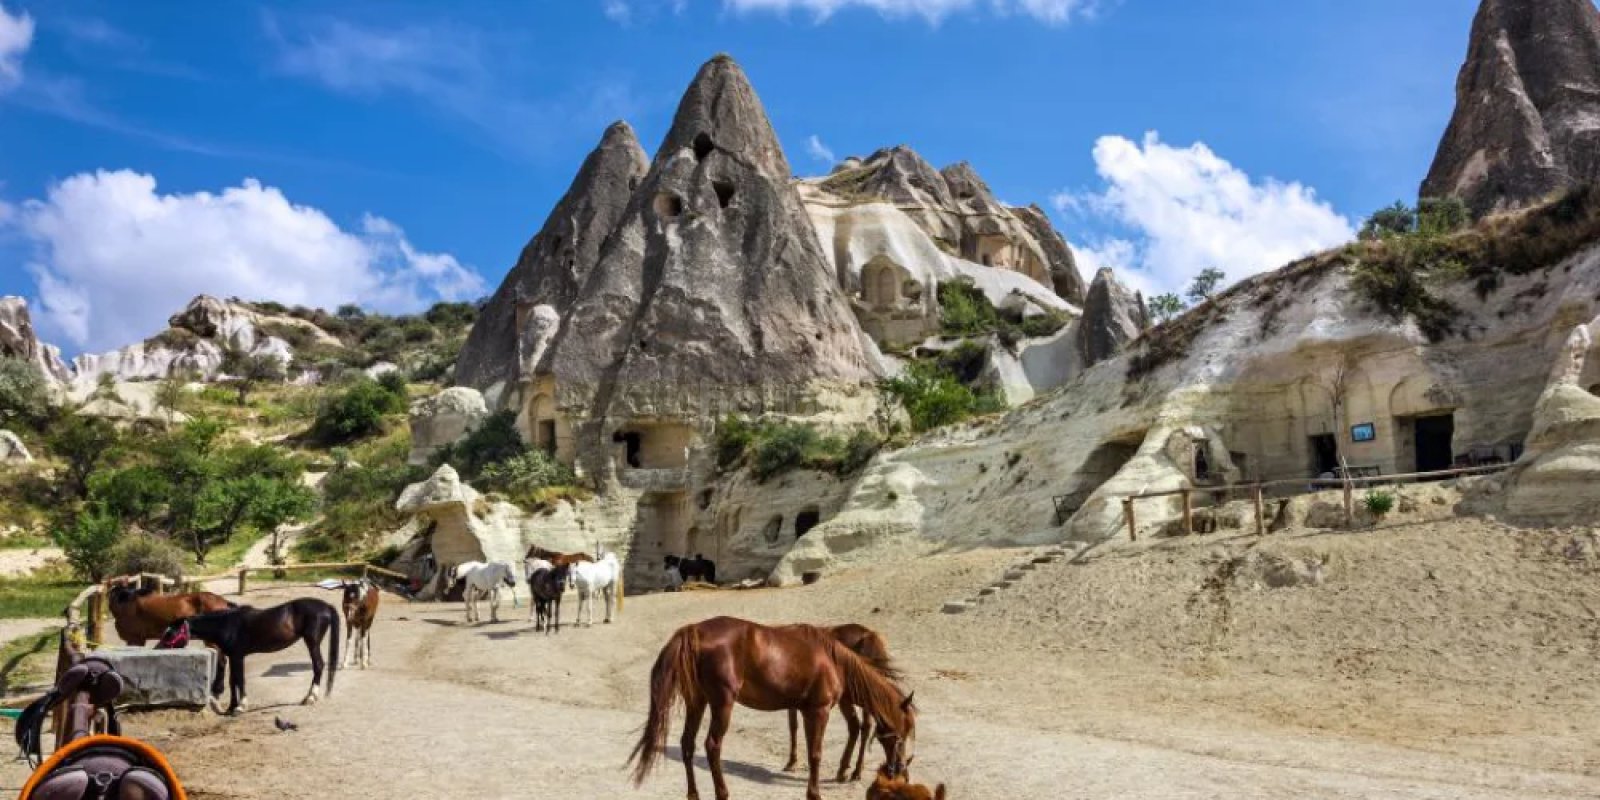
(1009, 710)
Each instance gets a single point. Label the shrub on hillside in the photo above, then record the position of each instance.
(355, 412)
(526, 472)
(964, 310)
(24, 397)
(494, 441)
(141, 553)
(772, 448)
(933, 397)
(86, 538)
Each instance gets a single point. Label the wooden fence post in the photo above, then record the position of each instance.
(243, 572)
(621, 593)
(1261, 524)
(1133, 527)
(97, 607)
(1188, 514)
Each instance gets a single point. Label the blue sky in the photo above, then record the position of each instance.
(393, 153)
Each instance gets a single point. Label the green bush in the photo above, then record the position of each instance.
(525, 472)
(1379, 503)
(773, 448)
(1440, 215)
(357, 411)
(394, 382)
(733, 439)
(782, 448)
(87, 538)
(451, 315)
(1396, 220)
(1044, 324)
(933, 398)
(495, 440)
(24, 397)
(965, 310)
(141, 552)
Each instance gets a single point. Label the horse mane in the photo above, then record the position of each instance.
(876, 651)
(864, 683)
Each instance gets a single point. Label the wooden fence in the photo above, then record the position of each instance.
(1257, 490)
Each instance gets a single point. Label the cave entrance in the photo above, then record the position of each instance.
(1324, 455)
(805, 521)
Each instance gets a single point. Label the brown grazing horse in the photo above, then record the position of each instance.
(141, 615)
(869, 645)
(894, 783)
(360, 611)
(246, 631)
(723, 661)
(557, 559)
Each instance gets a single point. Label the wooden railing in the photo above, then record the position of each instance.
(1257, 490)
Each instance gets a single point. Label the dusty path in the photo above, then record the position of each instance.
(496, 711)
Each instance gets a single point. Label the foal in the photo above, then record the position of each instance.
(246, 631)
(360, 611)
(895, 784)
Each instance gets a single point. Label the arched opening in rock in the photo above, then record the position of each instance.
(668, 205)
(805, 521)
(705, 499)
(773, 529)
(1595, 390)
(633, 443)
(724, 192)
(655, 445)
(633, 183)
(703, 146)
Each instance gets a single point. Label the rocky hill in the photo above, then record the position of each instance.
(1527, 119)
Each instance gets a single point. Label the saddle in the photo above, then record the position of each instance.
(91, 767)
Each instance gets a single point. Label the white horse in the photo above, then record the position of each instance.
(596, 577)
(530, 566)
(485, 580)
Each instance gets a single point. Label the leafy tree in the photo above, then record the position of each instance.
(105, 387)
(355, 412)
(1166, 306)
(172, 394)
(250, 370)
(1439, 215)
(1395, 220)
(394, 382)
(494, 441)
(933, 398)
(24, 396)
(350, 311)
(533, 469)
(84, 444)
(87, 537)
(1205, 284)
(142, 553)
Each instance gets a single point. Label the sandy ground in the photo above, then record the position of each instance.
(21, 561)
(1442, 660)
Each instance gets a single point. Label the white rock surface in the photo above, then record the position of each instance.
(443, 419)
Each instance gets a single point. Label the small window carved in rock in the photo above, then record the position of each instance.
(703, 146)
(668, 205)
(773, 529)
(805, 521)
(724, 193)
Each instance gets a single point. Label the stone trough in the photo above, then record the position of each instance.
(162, 678)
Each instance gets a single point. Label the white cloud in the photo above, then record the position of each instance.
(618, 11)
(819, 151)
(114, 257)
(1167, 213)
(1054, 12)
(16, 36)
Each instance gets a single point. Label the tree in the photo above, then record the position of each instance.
(83, 443)
(350, 311)
(250, 370)
(355, 412)
(105, 388)
(172, 394)
(1205, 284)
(1166, 306)
(24, 397)
(1395, 220)
(87, 538)
(1439, 215)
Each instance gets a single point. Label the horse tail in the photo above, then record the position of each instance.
(674, 675)
(333, 647)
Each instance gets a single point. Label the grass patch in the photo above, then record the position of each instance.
(44, 594)
(965, 312)
(772, 448)
(28, 661)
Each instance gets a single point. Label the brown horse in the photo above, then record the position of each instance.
(557, 559)
(894, 783)
(723, 661)
(869, 645)
(142, 615)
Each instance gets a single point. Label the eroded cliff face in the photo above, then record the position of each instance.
(18, 340)
(1527, 118)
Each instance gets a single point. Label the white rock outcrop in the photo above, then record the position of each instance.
(443, 419)
(12, 450)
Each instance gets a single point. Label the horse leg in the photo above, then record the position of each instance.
(355, 645)
(611, 599)
(816, 725)
(794, 749)
(222, 668)
(692, 713)
(494, 604)
(721, 715)
(313, 640)
(366, 647)
(852, 726)
(868, 726)
(237, 701)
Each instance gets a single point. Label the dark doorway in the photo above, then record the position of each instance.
(1434, 436)
(633, 442)
(1324, 453)
(805, 521)
(547, 436)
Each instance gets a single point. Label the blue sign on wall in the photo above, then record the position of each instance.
(1365, 432)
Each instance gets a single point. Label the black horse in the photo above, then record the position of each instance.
(698, 568)
(547, 585)
(246, 631)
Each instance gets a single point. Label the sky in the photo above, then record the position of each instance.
(397, 153)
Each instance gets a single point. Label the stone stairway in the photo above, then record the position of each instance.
(1016, 573)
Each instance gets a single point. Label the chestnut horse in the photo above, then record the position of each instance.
(869, 645)
(557, 559)
(141, 615)
(894, 783)
(724, 661)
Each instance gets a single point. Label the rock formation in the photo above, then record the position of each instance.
(18, 340)
(12, 450)
(196, 341)
(444, 418)
(522, 316)
(1554, 482)
(1112, 317)
(958, 211)
(712, 279)
(1527, 118)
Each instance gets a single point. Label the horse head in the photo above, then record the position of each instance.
(175, 637)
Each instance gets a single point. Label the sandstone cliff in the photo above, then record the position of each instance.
(1112, 316)
(18, 340)
(1527, 118)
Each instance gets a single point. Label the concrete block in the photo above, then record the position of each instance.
(162, 678)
